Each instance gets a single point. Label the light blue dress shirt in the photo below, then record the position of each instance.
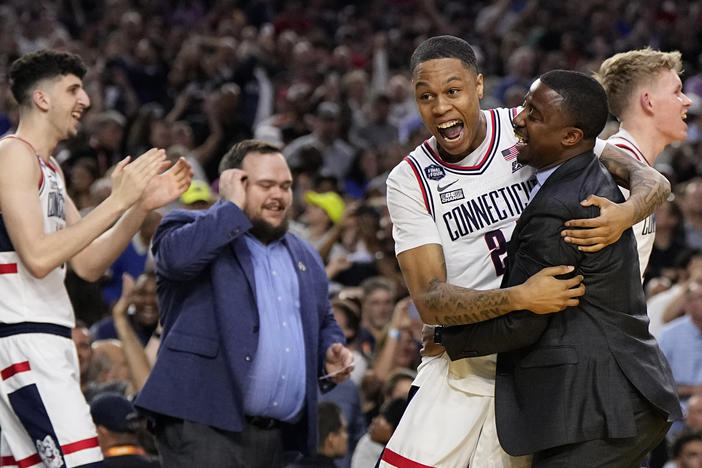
(277, 381)
(541, 179)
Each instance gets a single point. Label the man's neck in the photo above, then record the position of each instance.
(39, 134)
(568, 154)
(646, 137)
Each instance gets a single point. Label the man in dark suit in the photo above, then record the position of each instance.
(248, 331)
(587, 387)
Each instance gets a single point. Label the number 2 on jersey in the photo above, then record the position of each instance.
(497, 244)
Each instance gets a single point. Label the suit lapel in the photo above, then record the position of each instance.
(243, 255)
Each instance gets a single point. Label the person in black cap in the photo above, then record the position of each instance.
(118, 425)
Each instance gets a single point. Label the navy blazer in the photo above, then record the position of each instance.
(207, 300)
(563, 378)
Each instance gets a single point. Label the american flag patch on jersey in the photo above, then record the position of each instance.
(510, 153)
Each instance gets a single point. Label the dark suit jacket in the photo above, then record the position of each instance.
(210, 321)
(562, 378)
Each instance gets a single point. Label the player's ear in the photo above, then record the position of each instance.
(479, 85)
(40, 99)
(645, 102)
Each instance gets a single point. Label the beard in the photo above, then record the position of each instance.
(266, 232)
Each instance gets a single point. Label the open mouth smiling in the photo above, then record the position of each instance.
(451, 130)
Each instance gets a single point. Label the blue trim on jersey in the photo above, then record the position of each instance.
(29, 408)
(425, 185)
(11, 329)
(5, 242)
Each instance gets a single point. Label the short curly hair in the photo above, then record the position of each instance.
(30, 69)
(622, 73)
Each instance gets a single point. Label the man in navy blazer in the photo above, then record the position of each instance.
(586, 387)
(248, 332)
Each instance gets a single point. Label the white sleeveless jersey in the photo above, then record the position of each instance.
(645, 230)
(470, 209)
(23, 297)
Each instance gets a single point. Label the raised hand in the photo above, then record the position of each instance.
(130, 178)
(339, 363)
(167, 186)
(601, 231)
(232, 186)
(119, 310)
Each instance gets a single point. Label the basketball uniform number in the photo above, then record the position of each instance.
(497, 244)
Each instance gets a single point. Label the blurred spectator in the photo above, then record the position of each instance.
(371, 445)
(346, 395)
(291, 122)
(378, 132)
(377, 307)
(81, 338)
(669, 245)
(687, 451)
(103, 142)
(117, 425)
(133, 260)
(141, 311)
(83, 173)
(364, 168)
(358, 340)
(333, 438)
(108, 370)
(322, 213)
(337, 155)
(681, 344)
(400, 348)
(692, 208)
(197, 197)
(398, 383)
(520, 74)
(402, 105)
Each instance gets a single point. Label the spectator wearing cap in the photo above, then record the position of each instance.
(118, 427)
(197, 197)
(337, 155)
(322, 212)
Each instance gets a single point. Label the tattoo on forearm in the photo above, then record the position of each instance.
(647, 190)
(458, 306)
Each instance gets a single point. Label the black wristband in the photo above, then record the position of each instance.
(437, 334)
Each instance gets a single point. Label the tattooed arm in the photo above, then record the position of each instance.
(649, 189)
(439, 302)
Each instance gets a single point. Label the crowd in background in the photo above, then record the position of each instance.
(328, 82)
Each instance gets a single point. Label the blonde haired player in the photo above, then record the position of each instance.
(645, 94)
(44, 418)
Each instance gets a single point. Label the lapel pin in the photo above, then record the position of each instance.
(301, 266)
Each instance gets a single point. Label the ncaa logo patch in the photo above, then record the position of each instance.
(434, 172)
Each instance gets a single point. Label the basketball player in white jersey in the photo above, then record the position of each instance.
(645, 94)
(44, 418)
(454, 202)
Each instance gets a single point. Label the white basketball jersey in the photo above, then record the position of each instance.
(23, 297)
(470, 209)
(645, 230)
